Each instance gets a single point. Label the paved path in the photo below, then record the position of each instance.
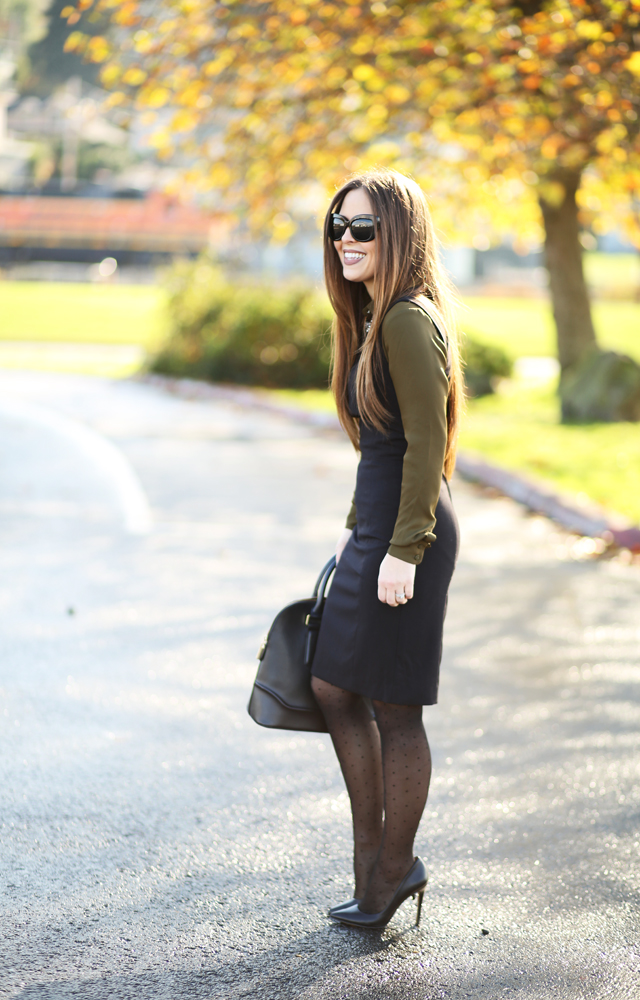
(157, 845)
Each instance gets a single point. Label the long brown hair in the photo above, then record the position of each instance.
(408, 263)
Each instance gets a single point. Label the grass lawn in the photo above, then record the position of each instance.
(518, 429)
(81, 313)
(524, 327)
(133, 314)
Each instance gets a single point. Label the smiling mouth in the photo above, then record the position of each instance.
(353, 256)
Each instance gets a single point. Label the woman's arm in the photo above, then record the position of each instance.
(417, 364)
(352, 516)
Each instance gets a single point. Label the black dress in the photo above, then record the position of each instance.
(385, 653)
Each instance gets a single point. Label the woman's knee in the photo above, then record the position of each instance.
(397, 717)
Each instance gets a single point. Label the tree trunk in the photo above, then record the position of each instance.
(569, 296)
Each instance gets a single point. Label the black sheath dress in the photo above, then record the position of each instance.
(384, 653)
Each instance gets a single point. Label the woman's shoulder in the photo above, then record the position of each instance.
(410, 323)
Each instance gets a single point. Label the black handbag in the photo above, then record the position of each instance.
(282, 697)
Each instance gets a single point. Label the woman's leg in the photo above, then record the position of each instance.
(406, 764)
(357, 744)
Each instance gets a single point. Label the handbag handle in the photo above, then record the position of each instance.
(313, 619)
(322, 581)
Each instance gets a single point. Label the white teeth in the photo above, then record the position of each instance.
(350, 255)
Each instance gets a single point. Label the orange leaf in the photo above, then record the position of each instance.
(532, 82)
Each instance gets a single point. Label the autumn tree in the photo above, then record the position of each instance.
(530, 110)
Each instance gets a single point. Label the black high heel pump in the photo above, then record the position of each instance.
(412, 884)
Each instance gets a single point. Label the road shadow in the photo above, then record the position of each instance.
(340, 963)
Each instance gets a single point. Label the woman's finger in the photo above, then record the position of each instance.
(408, 590)
(392, 596)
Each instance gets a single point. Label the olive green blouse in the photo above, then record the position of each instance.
(417, 363)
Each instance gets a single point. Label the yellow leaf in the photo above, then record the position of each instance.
(383, 152)
(283, 228)
(290, 168)
(157, 97)
(553, 192)
(589, 29)
(161, 139)
(109, 75)
(550, 146)
(604, 99)
(363, 72)
(134, 76)
(220, 175)
(75, 42)
(397, 94)
(215, 66)
(184, 121)
(377, 113)
(633, 64)
(113, 100)
(98, 49)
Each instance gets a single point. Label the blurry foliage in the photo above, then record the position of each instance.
(252, 334)
(485, 102)
(278, 337)
(21, 23)
(93, 157)
(483, 364)
(97, 156)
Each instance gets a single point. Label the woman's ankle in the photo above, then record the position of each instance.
(363, 864)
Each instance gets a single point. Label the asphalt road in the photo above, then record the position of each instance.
(155, 843)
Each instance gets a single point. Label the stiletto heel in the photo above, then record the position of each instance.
(414, 882)
(420, 898)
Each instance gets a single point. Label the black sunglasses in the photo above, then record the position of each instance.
(363, 227)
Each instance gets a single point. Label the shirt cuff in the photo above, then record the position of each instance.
(412, 553)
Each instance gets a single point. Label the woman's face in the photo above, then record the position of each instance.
(358, 259)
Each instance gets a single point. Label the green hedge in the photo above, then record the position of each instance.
(265, 335)
(483, 364)
(252, 334)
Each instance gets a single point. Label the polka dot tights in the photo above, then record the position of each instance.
(386, 766)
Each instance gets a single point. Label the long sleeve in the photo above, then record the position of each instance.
(352, 516)
(417, 364)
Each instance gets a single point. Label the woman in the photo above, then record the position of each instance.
(396, 380)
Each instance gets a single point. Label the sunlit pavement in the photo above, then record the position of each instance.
(157, 844)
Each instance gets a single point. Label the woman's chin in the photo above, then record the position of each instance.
(348, 272)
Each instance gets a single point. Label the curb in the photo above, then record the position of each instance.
(474, 470)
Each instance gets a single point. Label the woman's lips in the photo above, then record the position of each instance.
(352, 257)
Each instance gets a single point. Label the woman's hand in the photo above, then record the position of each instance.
(395, 581)
(342, 541)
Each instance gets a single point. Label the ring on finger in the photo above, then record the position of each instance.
(401, 597)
